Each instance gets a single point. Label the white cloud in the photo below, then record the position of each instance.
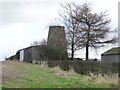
(25, 12)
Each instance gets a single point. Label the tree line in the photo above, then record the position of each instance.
(86, 29)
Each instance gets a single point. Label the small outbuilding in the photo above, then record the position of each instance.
(111, 55)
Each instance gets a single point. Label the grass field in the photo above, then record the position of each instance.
(26, 75)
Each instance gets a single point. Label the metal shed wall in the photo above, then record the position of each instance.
(39, 53)
(28, 54)
(21, 58)
(36, 53)
(110, 58)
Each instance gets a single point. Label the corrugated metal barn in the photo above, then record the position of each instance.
(111, 55)
(31, 53)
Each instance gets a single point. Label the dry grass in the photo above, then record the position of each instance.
(9, 71)
(16, 69)
(62, 73)
(96, 79)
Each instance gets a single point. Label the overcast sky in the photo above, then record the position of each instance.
(24, 21)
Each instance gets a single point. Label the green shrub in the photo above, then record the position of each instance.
(86, 67)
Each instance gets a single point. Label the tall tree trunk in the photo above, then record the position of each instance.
(72, 52)
(87, 52)
(87, 43)
(72, 55)
(72, 48)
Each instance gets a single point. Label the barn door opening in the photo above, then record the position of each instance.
(21, 55)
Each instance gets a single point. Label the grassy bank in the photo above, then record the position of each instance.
(26, 75)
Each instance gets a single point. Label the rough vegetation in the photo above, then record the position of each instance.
(26, 75)
(87, 67)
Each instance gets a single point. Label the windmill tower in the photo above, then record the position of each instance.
(57, 41)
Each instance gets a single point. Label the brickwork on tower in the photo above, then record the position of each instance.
(57, 41)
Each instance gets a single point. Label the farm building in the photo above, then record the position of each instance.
(32, 53)
(111, 55)
(56, 48)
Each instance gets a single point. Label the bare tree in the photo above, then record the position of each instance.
(86, 28)
(38, 43)
(43, 42)
(94, 28)
(72, 27)
(35, 43)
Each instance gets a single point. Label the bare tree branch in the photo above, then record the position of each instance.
(86, 29)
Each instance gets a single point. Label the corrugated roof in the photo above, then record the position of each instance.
(32, 46)
(113, 51)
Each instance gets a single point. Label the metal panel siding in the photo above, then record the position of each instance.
(21, 55)
(36, 53)
(28, 55)
(110, 58)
